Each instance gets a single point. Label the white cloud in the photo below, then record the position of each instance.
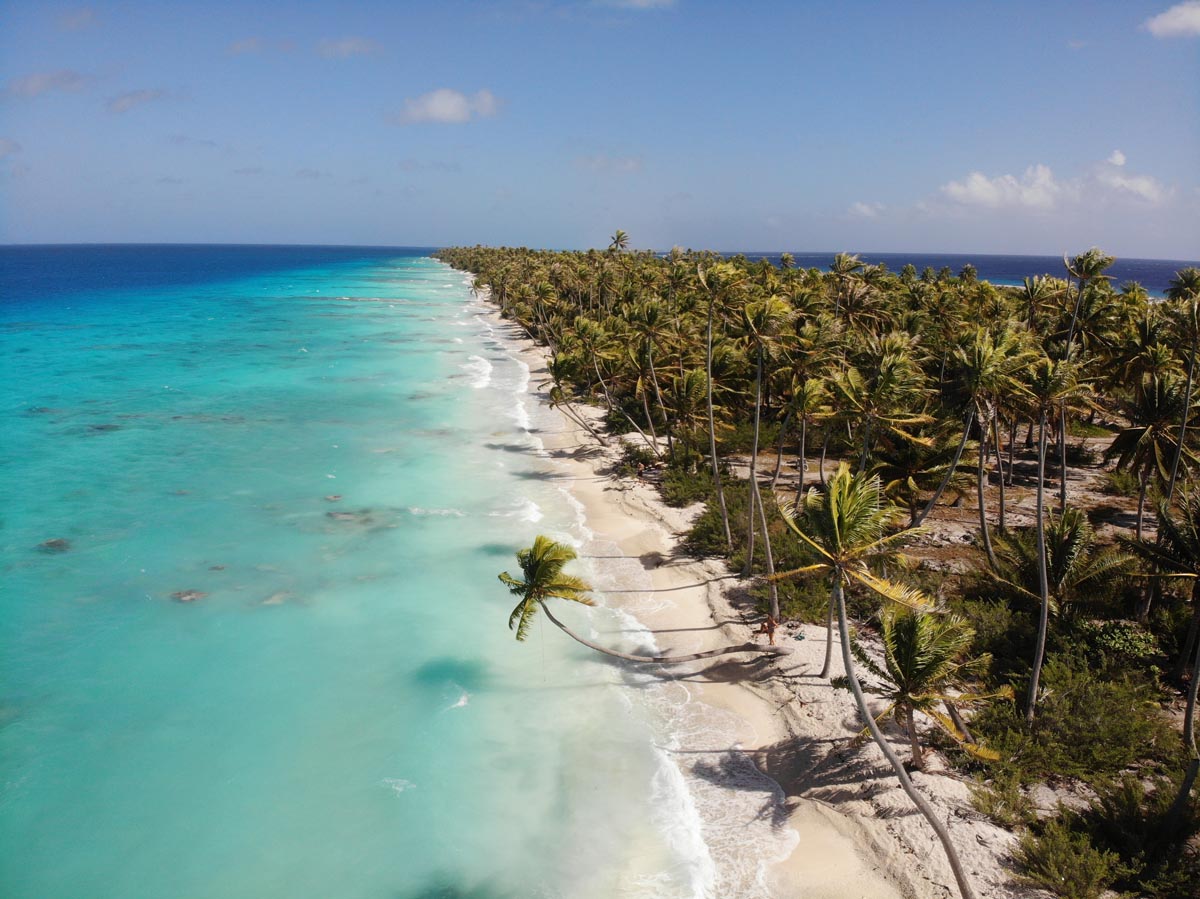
(609, 164)
(865, 210)
(1140, 187)
(1181, 20)
(43, 82)
(448, 106)
(128, 100)
(1035, 189)
(1038, 189)
(8, 147)
(344, 47)
(77, 19)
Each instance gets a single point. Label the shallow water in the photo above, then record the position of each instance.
(269, 656)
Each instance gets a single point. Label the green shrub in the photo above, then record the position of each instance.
(681, 488)
(1003, 801)
(1119, 642)
(633, 454)
(1086, 727)
(1120, 483)
(1059, 858)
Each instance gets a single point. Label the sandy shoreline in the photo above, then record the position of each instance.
(856, 834)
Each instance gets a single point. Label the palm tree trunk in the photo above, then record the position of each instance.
(1183, 420)
(1039, 653)
(906, 784)
(983, 522)
(1012, 448)
(1189, 739)
(821, 463)
(659, 398)
(772, 588)
(950, 472)
(1189, 642)
(754, 497)
(712, 430)
(1142, 488)
(666, 660)
(787, 420)
(829, 632)
(1001, 523)
(1062, 455)
(910, 723)
(803, 461)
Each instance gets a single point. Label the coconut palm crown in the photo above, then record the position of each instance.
(541, 566)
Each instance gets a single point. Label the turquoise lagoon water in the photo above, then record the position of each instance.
(344, 712)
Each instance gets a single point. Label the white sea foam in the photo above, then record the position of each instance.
(480, 371)
(398, 785)
(417, 510)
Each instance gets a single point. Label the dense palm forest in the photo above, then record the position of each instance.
(1034, 449)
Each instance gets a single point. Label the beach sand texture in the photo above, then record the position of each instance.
(855, 833)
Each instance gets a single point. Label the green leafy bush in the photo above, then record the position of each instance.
(1086, 727)
(1003, 801)
(1120, 483)
(1058, 858)
(681, 488)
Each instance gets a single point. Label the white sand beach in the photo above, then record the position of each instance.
(857, 834)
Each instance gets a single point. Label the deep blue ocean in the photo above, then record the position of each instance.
(252, 644)
(1153, 274)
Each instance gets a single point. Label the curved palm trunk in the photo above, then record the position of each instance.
(983, 522)
(712, 432)
(829, 635)
(949, 473)
(1189, 739)
(659, 398)
(787, 420)
(910, 724)
(803, 461)
(906, 784)
(666, 660)
(821, 464)
(1039, 653)
(1187, 405)
(755, 499)
(1002, 522)
(772, 588)
(1062, 458)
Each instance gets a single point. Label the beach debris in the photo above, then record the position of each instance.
(333, 498)
(57, 545)
(188, 595)
(277, 598)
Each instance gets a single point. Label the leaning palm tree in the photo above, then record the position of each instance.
(1185, 291)
(1053, 385)
(847, 528)
(925, 658)
(543, 578)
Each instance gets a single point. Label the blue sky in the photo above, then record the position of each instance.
(1024, 127)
